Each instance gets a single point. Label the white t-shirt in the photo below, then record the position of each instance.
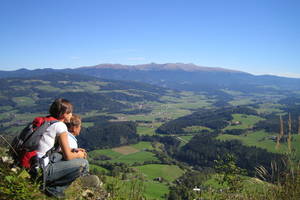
(72, 141)
(48, 139)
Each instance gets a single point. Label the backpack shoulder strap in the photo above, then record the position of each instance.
(50, 118)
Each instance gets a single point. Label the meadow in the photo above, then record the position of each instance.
(264, 140)
(244, 121)
(157, 189)
(137, 154)
(132, 154)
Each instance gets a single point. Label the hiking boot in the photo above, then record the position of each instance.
(90, 181)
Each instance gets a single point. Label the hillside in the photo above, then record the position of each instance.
(177, 76)
(155, 137)
(23, 98)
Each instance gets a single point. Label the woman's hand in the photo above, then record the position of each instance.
(69, 153)
(81, 154)
(81, 149)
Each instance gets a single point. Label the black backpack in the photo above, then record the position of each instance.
(24, 146)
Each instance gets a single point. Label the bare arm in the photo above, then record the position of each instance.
(67, 151)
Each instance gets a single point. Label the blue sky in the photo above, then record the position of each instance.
(256, 36)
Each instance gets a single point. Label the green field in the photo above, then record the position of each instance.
(155, 189)
(268, 108)
(184, 139)
(107, 152)
(24, 101)
(142, 145)
(98, 168)
(187, 137)
(138, 155)
(5, 108)
(168, 172)
(246, 121)
(262, 140)
(143, 130)
(241, 101)
(48, 88)
(196, 129)
(87, 124)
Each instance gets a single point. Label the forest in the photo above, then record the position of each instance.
(130, 126)
(214, 119)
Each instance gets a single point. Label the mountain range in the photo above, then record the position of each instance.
(176, 76)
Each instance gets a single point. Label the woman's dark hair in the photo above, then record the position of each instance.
(60, 107)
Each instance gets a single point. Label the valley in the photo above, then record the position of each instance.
(153, 136)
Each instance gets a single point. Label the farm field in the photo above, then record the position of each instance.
(136, 153)
(244, 121)
(196, 129)
(167, 172)
(127, 154)
(143, 130)
(156, 189)
(263, 140)
(138, 157)
(241, 101)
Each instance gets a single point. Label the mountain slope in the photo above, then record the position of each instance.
(176, 76)
(191, 77)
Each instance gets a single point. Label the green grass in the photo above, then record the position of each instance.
(48, 88)
(152, 190)
(5, 108)
(195, 129)
(8, 114)
(241, 101)
(24, 101)
(247, 121)
(138, 157)
(142, 145)
(98, 168)
(186, 138)
(143, 130)
(87, 124)
(248, 185)
(168, 172)
(258, 139)
(268, 108)
(15, 129)
(155, 190)
(86, 86)
(107, 152)
(232, 92)
(262, 140)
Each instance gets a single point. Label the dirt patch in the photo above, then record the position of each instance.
(125, 150)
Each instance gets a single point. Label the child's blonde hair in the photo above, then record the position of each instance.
(75, 121)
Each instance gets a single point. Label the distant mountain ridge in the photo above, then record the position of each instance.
(176, 76)
(160, 67)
